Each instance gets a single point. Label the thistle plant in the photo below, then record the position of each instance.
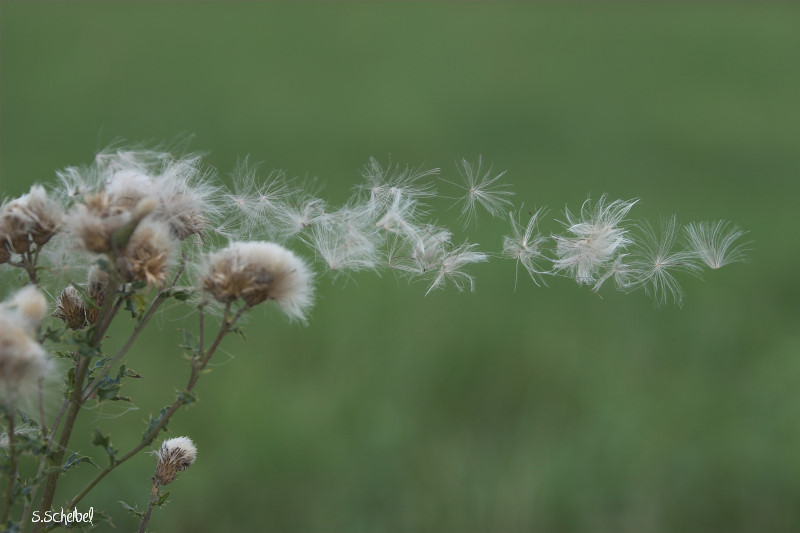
(138, 228)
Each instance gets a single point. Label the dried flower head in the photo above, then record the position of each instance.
(257, 271)
(175, 455)
(70, 308)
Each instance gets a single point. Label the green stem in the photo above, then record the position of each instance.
(153, 501)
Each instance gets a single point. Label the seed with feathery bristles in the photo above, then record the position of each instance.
(656, 262)
(714, 243)
(595, 237)
(524, 246)
(482, 189)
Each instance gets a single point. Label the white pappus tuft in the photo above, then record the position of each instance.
(595, 239)
(482, 189)
(714, 243)
(655, 262)
(525, 246)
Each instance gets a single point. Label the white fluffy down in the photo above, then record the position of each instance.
(290, 278)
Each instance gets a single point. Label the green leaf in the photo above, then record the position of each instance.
(153, 423)
(105, 442)
(52, 334)
(101, 518)
(189, 344)
(239, 331)
(186, 398)
(73, 460)
(100, 362)
(163, 499)
(108, 389)
(133, 510)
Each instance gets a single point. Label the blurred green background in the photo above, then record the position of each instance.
(544, 409)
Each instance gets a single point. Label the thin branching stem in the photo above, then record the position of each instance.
(109, 308)
(92, 386)
(198, 365)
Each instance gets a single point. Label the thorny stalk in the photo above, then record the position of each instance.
(153, 501)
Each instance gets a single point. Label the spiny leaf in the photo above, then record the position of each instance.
(153, 423)
(133, 510)
(73, 460)
(163, 499)
(105, 442)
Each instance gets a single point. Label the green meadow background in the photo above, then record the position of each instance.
(545, 409)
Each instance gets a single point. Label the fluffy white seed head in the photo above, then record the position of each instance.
(257, 271)
(33, 218)
(31, 305)
(148, 254)
(23, 361)
(174, 456)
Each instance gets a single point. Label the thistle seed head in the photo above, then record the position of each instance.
(30, 304)
(148, 253)
(23, 361)
(70, 308)
(258, 271)
(175, 455)
(31, 218)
